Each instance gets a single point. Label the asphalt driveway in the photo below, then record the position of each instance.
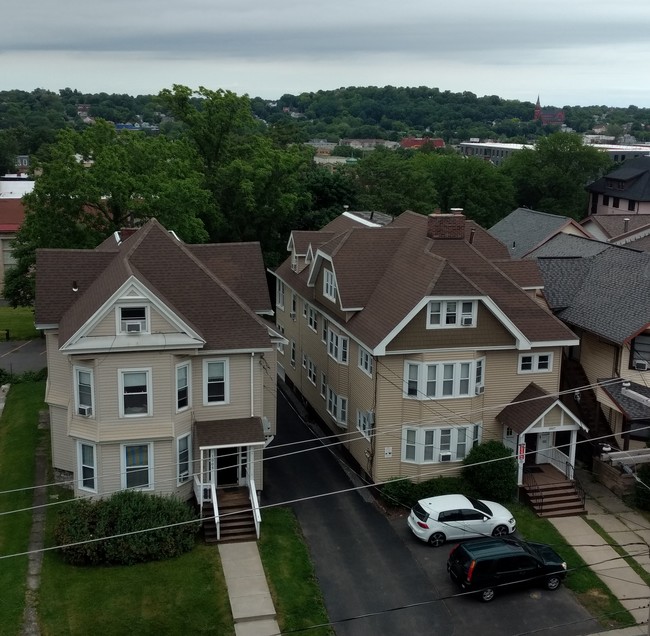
(19, 356)
(376, 578)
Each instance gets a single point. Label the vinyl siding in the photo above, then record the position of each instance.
(108, 325)
(63, 454)
(597, 357)
(59, 376)
(332, 306)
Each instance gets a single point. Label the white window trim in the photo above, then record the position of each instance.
(120, 374)
(187, 364)
(279, 294)
(337, 407)
(472, 437)
(364, 423)
(292, 358)
(459, 314)
(123, 448)
(281, 332)
(181, 481)
(338, 347)
(80, 477)
(323, 385)
(421, 391)
(77, 369)
(311, 371)
(365, 361)
(312, 319)
(118, 318)
(535, 362)
(226, 380)
(330, 288)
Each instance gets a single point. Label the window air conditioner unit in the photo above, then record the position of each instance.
(445, 457)
(86, 411)
(133, 327)
(292, 315)
(640, 365)
(479, 390)
(466, 321)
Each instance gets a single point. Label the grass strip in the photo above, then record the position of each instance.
(18, 322)
(290, 574)
(19, 437)
(590, 590)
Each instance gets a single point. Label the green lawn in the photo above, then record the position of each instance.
(585, 584)
(19, 436)
(19, 322)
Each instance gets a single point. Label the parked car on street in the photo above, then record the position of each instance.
(487, 565)
(452, 517)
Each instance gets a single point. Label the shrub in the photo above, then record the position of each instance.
(492, 470)
(399, 492)
(125, 512)
(642, 488)
(444, 486)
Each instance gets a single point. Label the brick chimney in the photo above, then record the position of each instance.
(446, 226)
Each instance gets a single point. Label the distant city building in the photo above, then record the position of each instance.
(548, 116)
(419, 142)
(369, 144)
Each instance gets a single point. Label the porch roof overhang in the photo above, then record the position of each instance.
(632, 409)
(244, 431)
(528, 409)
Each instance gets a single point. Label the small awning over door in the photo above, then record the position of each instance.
(245, 431)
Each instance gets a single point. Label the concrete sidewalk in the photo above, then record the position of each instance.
(630, 531)
(250, 599)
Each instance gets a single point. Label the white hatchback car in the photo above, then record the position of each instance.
(437, 519)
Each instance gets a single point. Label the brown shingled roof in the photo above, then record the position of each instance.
(526, 408)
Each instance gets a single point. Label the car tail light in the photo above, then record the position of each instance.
(470, 571)
(453, 550)
(423, 525)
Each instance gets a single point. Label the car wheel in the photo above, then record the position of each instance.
(553, 582)
(437, 539)
(500, 531)
(486, 595)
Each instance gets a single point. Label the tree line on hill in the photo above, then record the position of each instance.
(222, 174)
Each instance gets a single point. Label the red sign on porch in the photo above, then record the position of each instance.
(521, 453)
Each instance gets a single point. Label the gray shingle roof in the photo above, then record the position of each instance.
(562, 245)
(607, 294)
(614, 225)
(632, 409)
(636, 174)
(524, 229)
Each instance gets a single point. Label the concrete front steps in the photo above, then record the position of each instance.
(235, 518)
(557, 499)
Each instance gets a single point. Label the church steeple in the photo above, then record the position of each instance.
(538, 110)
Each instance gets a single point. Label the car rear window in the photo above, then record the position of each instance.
(420, 512)
(479, 505)
(460, 556)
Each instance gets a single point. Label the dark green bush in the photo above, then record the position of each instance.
(403, 492)
(491, 470)
(125, 512)
(399, 492)
(642, 490)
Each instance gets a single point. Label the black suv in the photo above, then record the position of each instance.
(485, 565)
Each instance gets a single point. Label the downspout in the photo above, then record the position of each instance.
(252, 385)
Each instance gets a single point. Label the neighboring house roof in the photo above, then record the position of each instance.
(606, 293)
(12, 214)
(187, 279)
(526, 408)
(629, 181)
(632, 409)
(563, 245)
(383, 273)
(232, 432)
(523, 229)
(525, 273)
(619, 227)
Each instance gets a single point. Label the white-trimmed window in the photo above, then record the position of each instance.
(440, 380)
(184, 458)
(325, 330)
(86, 466)
(137, 466)
(183, 398)
(292, 359)
(281, 332)
(133, 319)
(329, 284)
(135, 392)
(323, 384)
(84, 392)
(337, 347)
(294, 304)
(311, 371)
(305, 306)
(304, 360)
(365, 361)
(216, 382)
(337, 407)
(312, 318)
(434, 445)
(365, 423)
(279, 294)
(535, 362)
(445, 314)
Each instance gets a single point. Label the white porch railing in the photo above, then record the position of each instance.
(198, 492)
(207, 492)
(213, 492)
(560, 461)
(255, 506)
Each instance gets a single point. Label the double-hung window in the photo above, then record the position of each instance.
(182, 386)
(444, 314)
(337, 407)
(312, 318)
(329, 284)
(87, 467)
(439, 380)
(323, 384)
(535, 362)
(133, 320)
(279, 294)
(215, 382)
(365, 361)
(137, 466)
(365, 423)
(311, 371)
(84, 391)
(433, 445)
(293, 353)
(184, 451)
(337, 347)
(135, 389)
(281, 332)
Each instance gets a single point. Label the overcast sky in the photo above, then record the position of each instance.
(570, 52)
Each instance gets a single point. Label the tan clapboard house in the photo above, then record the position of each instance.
(415, 340)
(159, 364)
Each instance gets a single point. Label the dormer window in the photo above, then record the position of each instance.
(133, 320)
(329, 285)
(444, 314)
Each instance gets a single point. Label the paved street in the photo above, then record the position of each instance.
(18, 356)
(376, 578)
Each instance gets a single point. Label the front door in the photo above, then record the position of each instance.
(531, 448)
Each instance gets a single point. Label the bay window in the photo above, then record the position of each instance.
(439, 444)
